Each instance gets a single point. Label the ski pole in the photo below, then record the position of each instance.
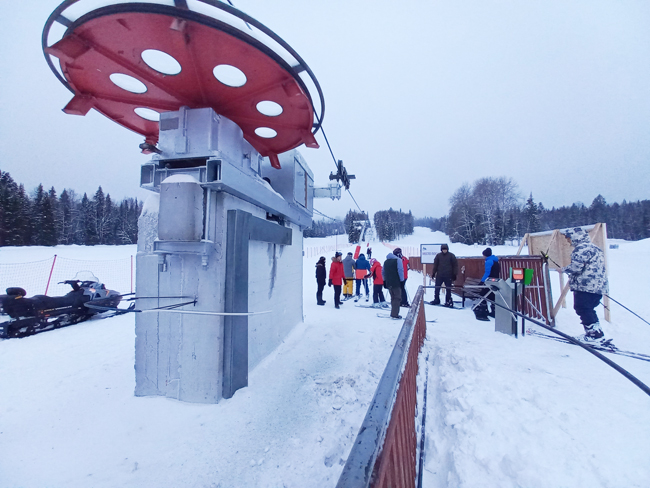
(615, 301)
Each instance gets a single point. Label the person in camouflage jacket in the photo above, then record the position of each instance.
(587, 280)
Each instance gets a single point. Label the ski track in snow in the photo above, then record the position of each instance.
(501, 411)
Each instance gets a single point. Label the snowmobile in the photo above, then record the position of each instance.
(39, 313)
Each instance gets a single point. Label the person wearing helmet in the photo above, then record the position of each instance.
(587, 281)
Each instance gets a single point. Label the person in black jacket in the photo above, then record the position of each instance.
(393, 275)
(321, 276)
(445, 269)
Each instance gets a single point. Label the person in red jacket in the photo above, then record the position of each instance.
(378, 300)
(405, 262)
(337, 275)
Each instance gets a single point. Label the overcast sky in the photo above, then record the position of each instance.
(421, 96)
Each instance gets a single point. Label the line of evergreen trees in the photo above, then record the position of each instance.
(490, 211)
(44, 219)
(352, 225)
(627, 220)
(392, 224)
(322, 228)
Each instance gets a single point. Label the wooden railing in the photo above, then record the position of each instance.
(384, 452)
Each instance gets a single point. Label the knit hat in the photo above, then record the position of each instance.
(362, 255)
(487, 253)
(337, 254)
(349, 254)
(321, 259)
(397, 252)
(444, 246)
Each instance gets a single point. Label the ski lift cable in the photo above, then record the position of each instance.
(355, 201)
(322, 214)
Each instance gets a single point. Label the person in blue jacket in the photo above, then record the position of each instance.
(362, 267)
(492, 270)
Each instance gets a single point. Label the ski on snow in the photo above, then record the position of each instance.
(443, 306)
(387, 316)
(606, 347)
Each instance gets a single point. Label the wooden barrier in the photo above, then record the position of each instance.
(384, 452)
(538, 297)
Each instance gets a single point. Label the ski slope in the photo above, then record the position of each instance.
(500, 411)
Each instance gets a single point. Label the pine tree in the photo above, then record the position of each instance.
(531, 214)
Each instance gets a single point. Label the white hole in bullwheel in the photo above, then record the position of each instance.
(266, 132)
(147, 113)
(269, 108)
(161, 62)
(229, 75)
(128, 83)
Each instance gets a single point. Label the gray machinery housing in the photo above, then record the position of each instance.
(216, 230)
(504, 295)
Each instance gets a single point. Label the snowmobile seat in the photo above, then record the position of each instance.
(17, 306)
(16, 290)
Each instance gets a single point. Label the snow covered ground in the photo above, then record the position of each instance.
(501, 411)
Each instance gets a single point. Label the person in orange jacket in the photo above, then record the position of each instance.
(378, 300)
(337, 275)
(405, 262)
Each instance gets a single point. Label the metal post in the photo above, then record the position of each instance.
(523, 309)
(50, 277)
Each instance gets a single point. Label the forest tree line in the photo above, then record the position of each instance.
(45, 219)
(389, 225)
(491, 211)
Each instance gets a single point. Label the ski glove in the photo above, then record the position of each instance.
(329, 283)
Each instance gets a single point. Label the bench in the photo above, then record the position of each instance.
(467, 290)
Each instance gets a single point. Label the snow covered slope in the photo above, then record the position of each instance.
(501, 411)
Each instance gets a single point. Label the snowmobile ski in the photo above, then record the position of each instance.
(608, 346)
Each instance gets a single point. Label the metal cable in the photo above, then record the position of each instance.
(571, 339)
(322, 214)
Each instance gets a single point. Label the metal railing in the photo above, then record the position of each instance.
(384, 452)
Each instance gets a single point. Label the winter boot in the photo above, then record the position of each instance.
(356, 299)
(492, 312)
(481, 311)
(594, 332)
(367, 298)
(436, 301)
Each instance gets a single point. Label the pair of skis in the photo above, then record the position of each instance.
(606, 346)
(388, 316)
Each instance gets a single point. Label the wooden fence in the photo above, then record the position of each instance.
(384, 452)
(538, 296)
